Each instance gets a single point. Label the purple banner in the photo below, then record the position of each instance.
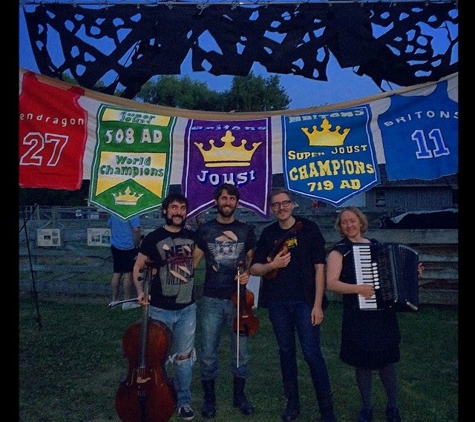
(237, 152)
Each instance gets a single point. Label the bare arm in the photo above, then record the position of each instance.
(244, 276)
(137, 236)
(138, 275)
(334, 284)
(197, 256)
(420, 269)
(281, 260)
(317, 311)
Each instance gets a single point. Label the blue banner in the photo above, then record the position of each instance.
(419, 133)
(329, 156)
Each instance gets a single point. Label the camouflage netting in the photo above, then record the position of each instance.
(129, 44)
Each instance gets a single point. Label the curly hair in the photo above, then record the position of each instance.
(172, 197)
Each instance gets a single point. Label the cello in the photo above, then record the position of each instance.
(146, 394)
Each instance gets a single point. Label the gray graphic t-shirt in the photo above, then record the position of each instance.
(172, 254)
(225, 247)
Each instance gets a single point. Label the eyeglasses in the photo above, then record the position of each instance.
(283, 204)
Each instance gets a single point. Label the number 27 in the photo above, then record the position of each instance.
(35, 154)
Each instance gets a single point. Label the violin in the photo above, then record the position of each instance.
(281, 246)
(245, 322)
(146, 394)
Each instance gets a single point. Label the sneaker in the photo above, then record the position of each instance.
(186, 413)
(129, 305)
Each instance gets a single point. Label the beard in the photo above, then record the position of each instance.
(226, 212)
(169, 222)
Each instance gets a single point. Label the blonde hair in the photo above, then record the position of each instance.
(358, 213)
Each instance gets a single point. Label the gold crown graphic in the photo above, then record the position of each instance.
(228, 154)
(127, 198)
(326, 137)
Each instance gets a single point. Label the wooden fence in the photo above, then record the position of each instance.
(68, 265)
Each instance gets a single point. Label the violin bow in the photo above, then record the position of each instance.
(237, 316)
(120, 302)
(238, 309)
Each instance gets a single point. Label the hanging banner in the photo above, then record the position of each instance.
(419, 132)
(131, 168)
(52, 135)
(133, 151)
(219, 152)
(330, 156)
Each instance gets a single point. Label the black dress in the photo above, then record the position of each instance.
(369, 339)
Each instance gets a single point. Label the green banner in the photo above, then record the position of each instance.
(131, 166)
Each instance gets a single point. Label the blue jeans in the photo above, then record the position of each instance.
(288, 318)
(216, 313)
(182, 324)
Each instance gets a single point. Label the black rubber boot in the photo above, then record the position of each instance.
(327, 413)
(239, 398)
(324, 399)
(208, 410)
(292, 410)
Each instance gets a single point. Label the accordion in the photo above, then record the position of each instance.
(392, 269)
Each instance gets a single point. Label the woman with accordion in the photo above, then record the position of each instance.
(370, 338)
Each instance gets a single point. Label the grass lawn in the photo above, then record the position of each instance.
(71, 363)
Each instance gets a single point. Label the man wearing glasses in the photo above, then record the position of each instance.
(290, 257)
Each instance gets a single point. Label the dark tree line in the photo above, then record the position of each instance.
(247, 94)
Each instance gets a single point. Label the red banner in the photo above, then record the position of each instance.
(52, 136)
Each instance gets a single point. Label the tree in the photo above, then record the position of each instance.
(184, 93)
(248, 93)
(255, 93)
